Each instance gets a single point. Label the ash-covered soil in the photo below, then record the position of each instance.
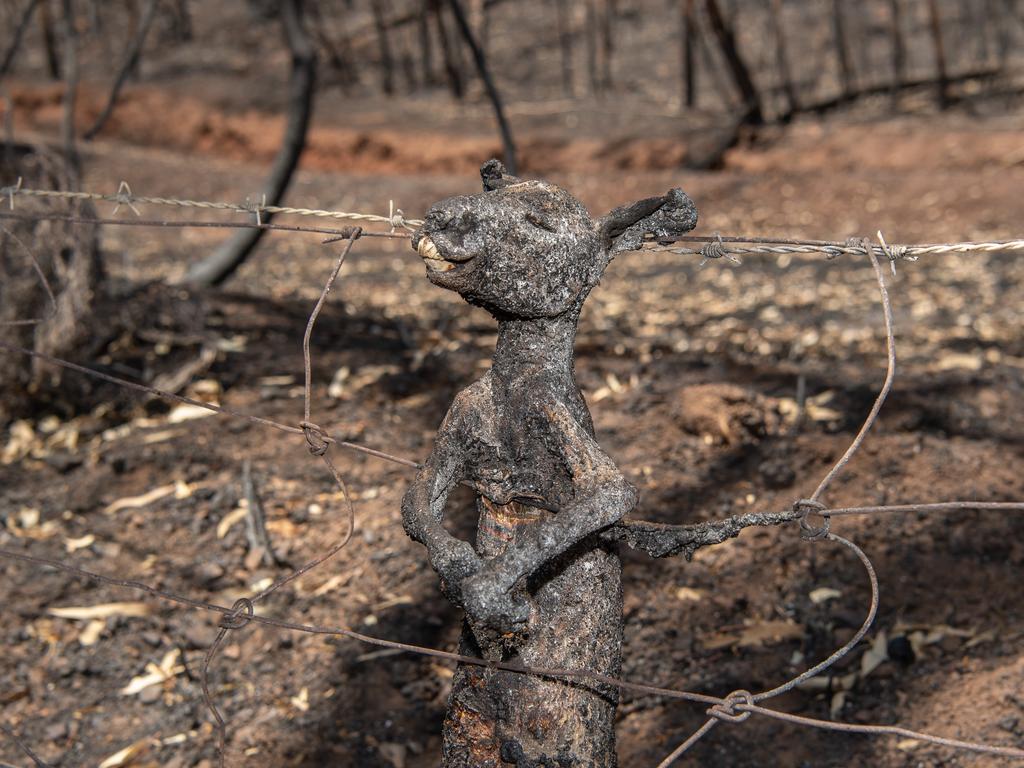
(692, 375)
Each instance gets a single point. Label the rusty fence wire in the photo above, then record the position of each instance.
(812, 516)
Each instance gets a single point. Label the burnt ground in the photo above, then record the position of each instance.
(691, 375)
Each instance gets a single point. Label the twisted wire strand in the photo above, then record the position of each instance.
(721, 246)
(832, 250)
(125, 197)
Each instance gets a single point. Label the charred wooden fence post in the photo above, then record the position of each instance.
(542, 585)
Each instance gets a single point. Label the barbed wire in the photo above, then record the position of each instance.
(735, 707)
(124, 196)
(713, 247)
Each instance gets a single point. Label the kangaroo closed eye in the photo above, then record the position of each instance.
(540, 223)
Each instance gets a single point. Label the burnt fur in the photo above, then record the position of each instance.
(542, 585)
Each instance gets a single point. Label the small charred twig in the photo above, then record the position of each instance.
(255, 518)
(131, 62)
(36, 759)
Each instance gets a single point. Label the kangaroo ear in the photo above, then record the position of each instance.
(625, 228)
(494, 175)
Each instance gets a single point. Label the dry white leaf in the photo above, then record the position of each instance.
(876, 655)
(155, 673)
(73, 545)
(301, 702)
(102, 611)
(985, 637)
(28, 517)
(823, 594)
(188, 412)
(836, 705)
(328, 586)
(21, 442)
(126, 755)
(763, 633)
(135, 502)
(159, 437)
(689, 594)
(92, 632)
(30, 527)
(178, 738)
(232, 517)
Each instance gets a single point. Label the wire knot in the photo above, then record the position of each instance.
(807, 507)
(396, 218)
(241, 613)
(11, 191)
(316, 438)
(716, 250)
(726, 710)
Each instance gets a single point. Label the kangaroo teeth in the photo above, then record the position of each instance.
(427, 249)
(439, 266)
(429, 253)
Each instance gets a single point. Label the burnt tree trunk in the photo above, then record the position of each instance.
(425, 44)
(387, 64)
(70, 67)
(49, 40)
(942, 77)
(688, 33)
(339, 55)
(565, 46)
(452, 61)
(607, 43)
(19, 33)
(55, 317)
(222, 263)
(842, 54)
(492, 92)
(591, 37)
(781, 58)
(754, 113)
(131, 63)
(899, 49)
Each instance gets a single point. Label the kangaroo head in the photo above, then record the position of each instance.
(529, 249)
